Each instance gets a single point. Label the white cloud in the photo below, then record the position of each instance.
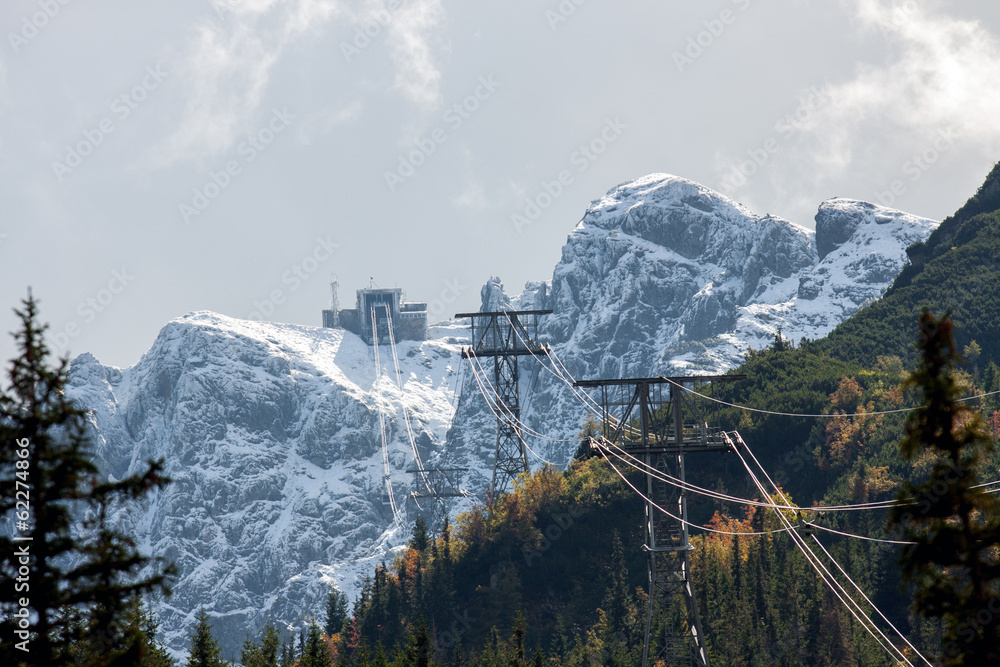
(933, 93)
(227, 68)
(410, 41)
(941, 74)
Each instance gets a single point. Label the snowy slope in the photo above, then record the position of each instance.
(271, 431)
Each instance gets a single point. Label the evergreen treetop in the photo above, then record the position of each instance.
(81, 566)
(205, 651)
(953, 563)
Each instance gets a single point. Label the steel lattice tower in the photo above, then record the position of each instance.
(504, 336)
(660, 439)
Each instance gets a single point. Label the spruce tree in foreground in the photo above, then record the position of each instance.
(420, 539)
(315, 653)
(954, 564)
(78, 571)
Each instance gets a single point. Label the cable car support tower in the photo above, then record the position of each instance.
(504, 336)
(656, 421)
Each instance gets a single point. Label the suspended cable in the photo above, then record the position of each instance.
(859, 537)
(642, 466)
(858, 589)
(506, 415)
(381, 420)
(563, 375)
(687, 486)
(402, 402)
(459, 386)
(819, 416)
(677, 518)
(831, 583)
(834, 585)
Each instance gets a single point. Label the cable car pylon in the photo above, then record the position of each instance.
(661, 441)
(506, 335)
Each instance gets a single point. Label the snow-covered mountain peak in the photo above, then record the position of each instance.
(679, 218)
(271, 434)
(664, 276)
(493, 297)
(839, 219)
(662, 191)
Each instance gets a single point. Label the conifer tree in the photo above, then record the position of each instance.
(74, 556)
(205, 651)
(264, 654)
(419, 540)
(336, 611)
(250, 653)
(953, 565)
(446, 540)
(143, 621)
(315, 653)
(617, 601)
(287, 653)
(516, 654)
(418, 649)
(380, 660)
(590, 431)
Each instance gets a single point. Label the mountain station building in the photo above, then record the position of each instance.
(408, 318)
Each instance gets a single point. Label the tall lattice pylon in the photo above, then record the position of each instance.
(504, 336)
(646, 418)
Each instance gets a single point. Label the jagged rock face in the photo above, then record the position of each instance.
(661, 260)
(839, 219)
(272, 432)
(271, 435)
(664, 276)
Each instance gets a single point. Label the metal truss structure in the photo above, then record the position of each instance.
(656, 421)
(504, 336)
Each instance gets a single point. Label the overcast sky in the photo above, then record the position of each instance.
(158, 158)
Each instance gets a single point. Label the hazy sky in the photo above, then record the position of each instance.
(158, 158)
